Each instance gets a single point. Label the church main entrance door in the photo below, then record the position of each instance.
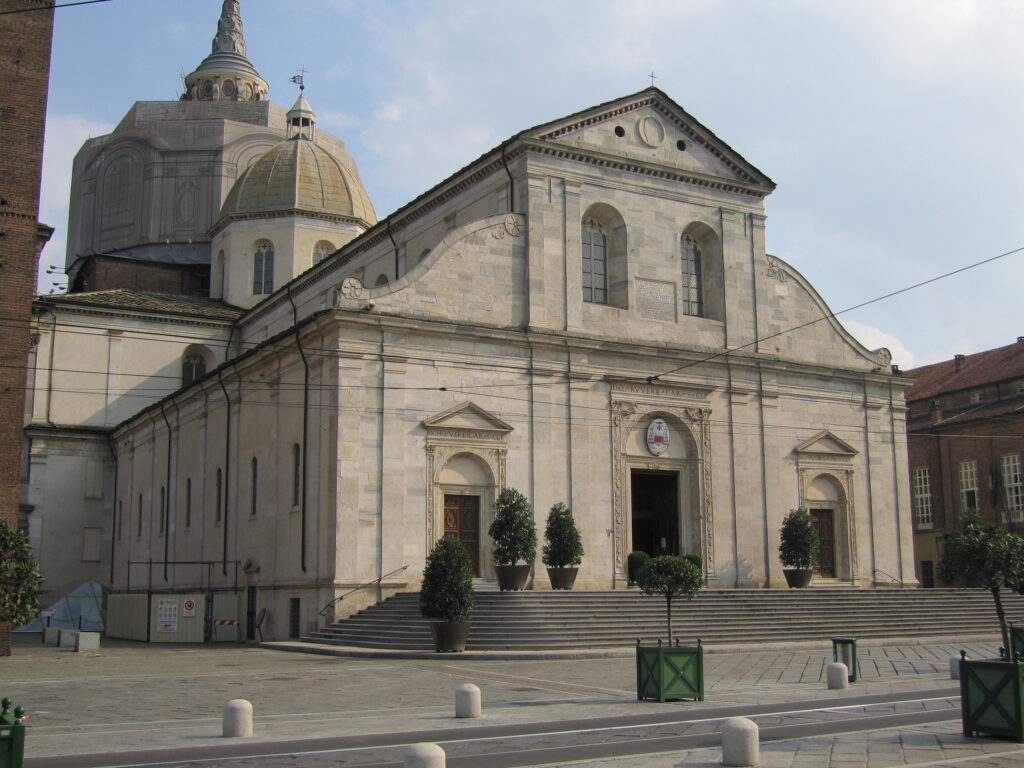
(462, 521)
(655, 511)
(824, 525)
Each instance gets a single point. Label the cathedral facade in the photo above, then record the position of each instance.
(586, 313)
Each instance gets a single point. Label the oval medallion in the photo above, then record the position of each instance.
(657, 437)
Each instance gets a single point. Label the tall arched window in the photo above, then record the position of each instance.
(693, 287)
(263, 268)
(595, 262)
(193, 368)
(254, 481)
(322, 250)
(120, 193)
(296, 474)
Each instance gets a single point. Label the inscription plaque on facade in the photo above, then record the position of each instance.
(657, 300)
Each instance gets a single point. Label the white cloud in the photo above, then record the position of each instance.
(873, 339)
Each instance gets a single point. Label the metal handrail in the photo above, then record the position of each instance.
(361, 586)
(890, 577)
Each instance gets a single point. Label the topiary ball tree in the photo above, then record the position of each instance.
(20, 580)
(798, 543)
(447, 590)
(984, 555)
(671, 577)
(513, 530)
(563, 547)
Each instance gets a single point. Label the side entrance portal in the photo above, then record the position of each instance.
(655, 511)
(824, 525)
(462, 521)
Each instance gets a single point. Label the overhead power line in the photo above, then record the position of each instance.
(53, 7)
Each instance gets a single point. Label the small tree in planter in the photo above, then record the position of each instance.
(446, 594)
(563, 548)
(798, 547)
(515, 538)
(670, 672)
(20, 580)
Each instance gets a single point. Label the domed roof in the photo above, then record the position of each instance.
(297, 175)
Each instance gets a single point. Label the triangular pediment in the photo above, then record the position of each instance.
(650, 128)
(825, 443)
(467, 416)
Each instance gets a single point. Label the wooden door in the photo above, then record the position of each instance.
(824, 525)
(462, 522)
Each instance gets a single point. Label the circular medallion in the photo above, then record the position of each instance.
(657, 437)
(651, 131)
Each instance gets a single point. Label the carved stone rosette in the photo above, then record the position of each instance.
(626, 416)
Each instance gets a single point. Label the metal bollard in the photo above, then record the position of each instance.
(837, 675)
(740, 744)
(467, 701)
(424, 756)
(237, 718)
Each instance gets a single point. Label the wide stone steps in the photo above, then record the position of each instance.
(560, 620)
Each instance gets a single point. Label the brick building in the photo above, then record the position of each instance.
(965, 431)
(25, 64)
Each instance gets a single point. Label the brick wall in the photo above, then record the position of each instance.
(24, 78)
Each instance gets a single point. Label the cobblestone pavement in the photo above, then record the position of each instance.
(131, 696)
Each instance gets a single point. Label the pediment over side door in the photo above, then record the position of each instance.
(467, 417)
(825, 445)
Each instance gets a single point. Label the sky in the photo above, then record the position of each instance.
(893, 128)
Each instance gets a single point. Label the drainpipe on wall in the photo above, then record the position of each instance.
(395, 244)
(305, 425)
(167, 494)
(511, 183)
(113, 516)
(227, 470)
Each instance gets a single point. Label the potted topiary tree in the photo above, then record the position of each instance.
(563, 548)
(989, 556)
(20, 580)
(635, 561)
(672, 671)
(446, 594)
(798, 548)
(515, 539)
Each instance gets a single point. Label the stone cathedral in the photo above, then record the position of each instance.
(254, 381)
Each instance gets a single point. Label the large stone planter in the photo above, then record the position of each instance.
(562, 578)
(992, 697)
(798, 577)
(512, 578)
(450, 636)
(666, 672)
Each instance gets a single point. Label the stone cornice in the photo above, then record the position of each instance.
(41, 305)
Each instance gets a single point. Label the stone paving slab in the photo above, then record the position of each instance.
(135, 696)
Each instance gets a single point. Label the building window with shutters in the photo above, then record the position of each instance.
(968, 486)
(922, 498)
(1013, 494)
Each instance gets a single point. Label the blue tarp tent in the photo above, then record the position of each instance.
(80, 609)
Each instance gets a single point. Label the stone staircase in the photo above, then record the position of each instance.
(571, 620)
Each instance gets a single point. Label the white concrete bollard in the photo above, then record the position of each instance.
(66, 637)
(51, 635)
(87, 641)
(424, 756)
(467, 701)
(954, 668)
(740, 744)
(237, 718)
(838, 675)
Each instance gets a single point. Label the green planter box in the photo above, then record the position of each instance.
(1016, 641)
(12, 736)
(992, 697)
(666, 672)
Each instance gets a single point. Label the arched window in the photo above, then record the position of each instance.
(193, 368)
(254, 480)
(595, 262)
(263, 268)
(693, 286)
(381, 282)
(322, 250)
(296, 474)
(120, 193)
